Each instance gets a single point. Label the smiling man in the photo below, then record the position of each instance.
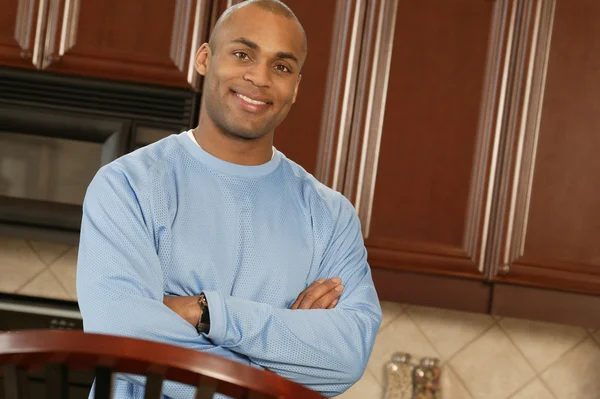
(213, 240)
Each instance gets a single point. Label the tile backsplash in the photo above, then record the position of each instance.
(487, 357)
(483, 356)
(37, 268)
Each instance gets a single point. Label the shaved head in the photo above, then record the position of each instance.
(272, 6)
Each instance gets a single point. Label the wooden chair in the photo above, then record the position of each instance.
(57, 352)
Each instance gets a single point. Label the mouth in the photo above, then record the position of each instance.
(249, 104)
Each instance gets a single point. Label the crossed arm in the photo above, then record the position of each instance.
(120, 289)
(322, 294)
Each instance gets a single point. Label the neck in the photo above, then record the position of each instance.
(231, 149)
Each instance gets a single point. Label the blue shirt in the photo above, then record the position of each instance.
(171, 219)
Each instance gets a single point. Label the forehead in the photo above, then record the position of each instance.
(271, 32)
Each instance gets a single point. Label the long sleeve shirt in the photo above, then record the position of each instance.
(171, 219)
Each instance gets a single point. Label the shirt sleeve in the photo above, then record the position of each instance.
(119, 275)
(325, 350)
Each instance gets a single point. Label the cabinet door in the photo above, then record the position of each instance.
(20, 32)
(134, 40)
(426, 133)
(549, 223)
(316, 132)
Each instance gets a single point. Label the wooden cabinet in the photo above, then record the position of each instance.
(150, 42)
(473, 156)
(549, 206)
(425, 134)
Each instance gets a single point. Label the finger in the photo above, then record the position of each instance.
(328, 298)
(335, 302)
(314, 294)
(301, 296)
(299, 299)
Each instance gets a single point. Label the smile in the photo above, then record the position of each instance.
(251, 101)
(251, 105)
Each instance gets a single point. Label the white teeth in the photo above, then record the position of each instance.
(251, 101)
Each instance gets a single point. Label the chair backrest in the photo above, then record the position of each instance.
(57, 352)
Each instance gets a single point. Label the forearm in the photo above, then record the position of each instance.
(145, 318)
(326, 350)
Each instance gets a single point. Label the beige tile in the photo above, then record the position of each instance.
(48, 252)
(534, 390)
(542, 343)
(492, 367)
(45, 285)
(576, 374)
(18, 264)
(366, 387)
(390, 310)
(65, 269)
(452, 387)
(401, 335)
(449, 330)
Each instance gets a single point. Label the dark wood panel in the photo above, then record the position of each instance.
(480, 297)
(315, 133)
(425, 138)
(431, 290)
(18, 32)
(550, 219)
(129, 40)
(546, 305)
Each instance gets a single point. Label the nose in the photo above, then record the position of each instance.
(258, 74)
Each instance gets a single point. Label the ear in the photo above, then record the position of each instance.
(202, 59)
(296, 88)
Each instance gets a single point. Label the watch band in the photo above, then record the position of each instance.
(203, 325)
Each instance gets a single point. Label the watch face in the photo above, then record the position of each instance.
(202, 300)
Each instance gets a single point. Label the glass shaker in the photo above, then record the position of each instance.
(424, 379)
(436, 373)
(399, 375)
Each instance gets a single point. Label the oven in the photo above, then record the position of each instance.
(55, 133)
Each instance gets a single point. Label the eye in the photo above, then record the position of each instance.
(282, 68)
(241, 55)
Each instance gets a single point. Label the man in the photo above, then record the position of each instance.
(213, 240)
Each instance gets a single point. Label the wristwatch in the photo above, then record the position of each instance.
(203, 325)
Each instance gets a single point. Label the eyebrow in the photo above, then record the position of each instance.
(281, 55)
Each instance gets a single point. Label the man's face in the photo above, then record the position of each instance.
(252, 74)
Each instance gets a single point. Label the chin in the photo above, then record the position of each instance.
(246, 130)
(244, 134)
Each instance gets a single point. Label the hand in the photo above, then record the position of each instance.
(186, 307)
(322, 294)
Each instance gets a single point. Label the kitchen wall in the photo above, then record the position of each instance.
(487, 357)
(37, 268)
(484, 357)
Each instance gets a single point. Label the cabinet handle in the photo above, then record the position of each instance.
(24, 26)
(374, 114)
(504, 269)
(51, 33)
(198, 31)
(37, 55)
(68, 34)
